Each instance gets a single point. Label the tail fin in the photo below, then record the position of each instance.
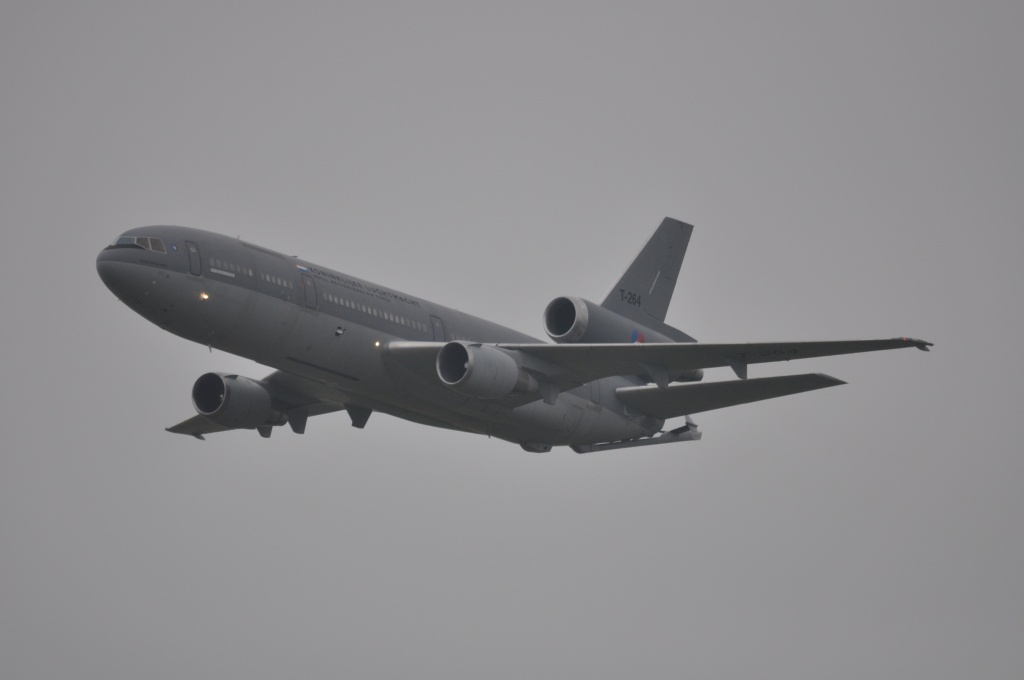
(645, 289)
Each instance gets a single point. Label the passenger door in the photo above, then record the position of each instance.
(309, 289)
(438, 328)
(195, 263)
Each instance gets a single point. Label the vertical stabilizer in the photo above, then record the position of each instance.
(646, 287)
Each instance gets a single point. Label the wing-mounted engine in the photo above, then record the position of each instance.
(573, 319)
(235, 402)
(482, 371)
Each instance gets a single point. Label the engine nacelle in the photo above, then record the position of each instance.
(481, 371)
(234, 402)
(573, 319)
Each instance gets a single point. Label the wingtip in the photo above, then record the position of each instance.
(830, 379)
(922, 345)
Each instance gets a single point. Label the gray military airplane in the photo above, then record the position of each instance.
(616, 373)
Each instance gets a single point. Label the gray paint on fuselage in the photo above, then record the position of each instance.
(256, 309)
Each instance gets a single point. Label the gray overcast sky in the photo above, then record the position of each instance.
(853, 171)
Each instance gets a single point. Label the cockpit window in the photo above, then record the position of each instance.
(144, 242)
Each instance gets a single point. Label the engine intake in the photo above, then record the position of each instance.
(234, 402)
(573, 319)
(481, 371)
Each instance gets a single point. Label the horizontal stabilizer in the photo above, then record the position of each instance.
(681, 400)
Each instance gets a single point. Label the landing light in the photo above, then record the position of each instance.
(376, 343)
(204, 296)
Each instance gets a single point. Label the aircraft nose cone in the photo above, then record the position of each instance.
(104, 268)
(107, 269)
(116, 274)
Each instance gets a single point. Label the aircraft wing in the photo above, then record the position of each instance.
(298, 397)
(568, 366)
(684, 400)
(576, 364)
(298, 393)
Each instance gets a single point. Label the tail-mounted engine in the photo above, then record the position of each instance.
(573, 319)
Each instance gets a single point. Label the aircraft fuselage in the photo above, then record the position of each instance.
(305, 319)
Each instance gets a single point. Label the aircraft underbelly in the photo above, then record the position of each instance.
(346, 357)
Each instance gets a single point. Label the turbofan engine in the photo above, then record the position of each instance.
(234, 402)
(573, 319)
(481, 371)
